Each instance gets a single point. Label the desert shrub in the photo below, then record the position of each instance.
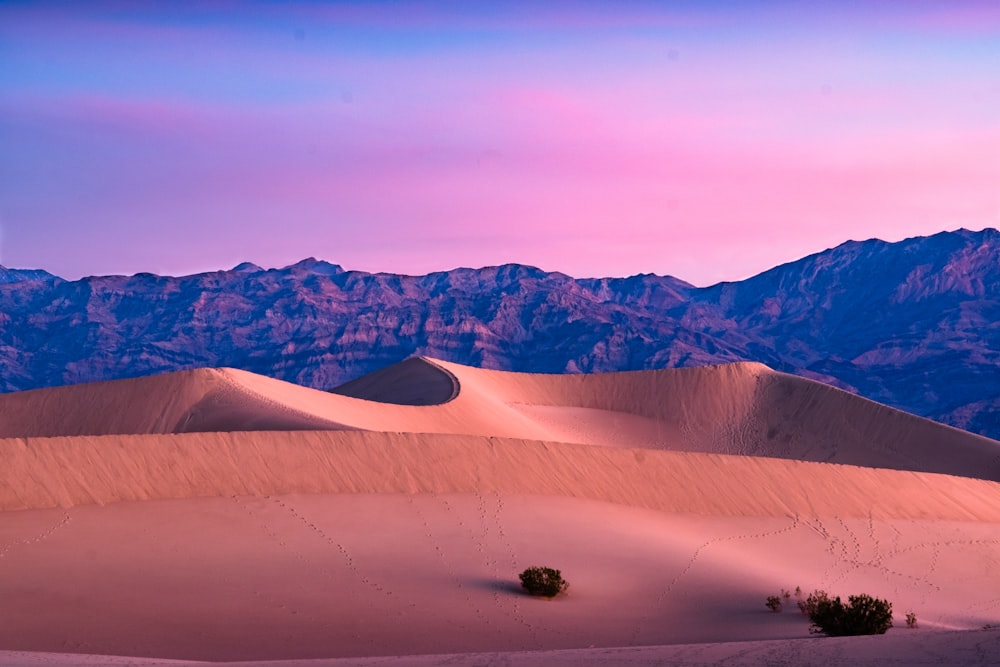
(543, 581)
(773, 603)
(868, 616)
(911, 620)
(862, 615)
(809, 605)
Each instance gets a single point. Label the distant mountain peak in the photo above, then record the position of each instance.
(317, 266)
(246, 267)
(17, 275)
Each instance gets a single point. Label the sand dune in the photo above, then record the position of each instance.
(65, 472)
(326, 575)
(218, 515)
(741, 408)
(198, 400)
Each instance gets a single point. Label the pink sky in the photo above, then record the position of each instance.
(705, 144)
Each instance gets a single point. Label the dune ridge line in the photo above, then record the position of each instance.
(742, 408)
(63, 472)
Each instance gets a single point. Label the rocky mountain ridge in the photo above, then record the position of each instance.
(914, 324)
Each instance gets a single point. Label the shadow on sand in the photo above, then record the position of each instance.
(497, 585)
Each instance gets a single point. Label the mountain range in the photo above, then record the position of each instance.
(913, 324)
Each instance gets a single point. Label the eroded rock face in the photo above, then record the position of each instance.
(914, 324)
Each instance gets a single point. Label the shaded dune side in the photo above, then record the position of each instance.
(205, 399)
(804, 419)
(414, 381)
(153, 404)
(239, 405)
(49, 472)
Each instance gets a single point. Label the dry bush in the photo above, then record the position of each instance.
(862, 615)
(543, 581)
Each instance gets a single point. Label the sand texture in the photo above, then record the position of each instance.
(215, 515)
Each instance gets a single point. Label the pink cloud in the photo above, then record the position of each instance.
(695, 169)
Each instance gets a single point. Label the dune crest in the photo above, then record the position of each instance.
(741, 409)
(65, 472)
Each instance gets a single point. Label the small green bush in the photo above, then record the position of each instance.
(862, 615)
(911, 620)
(543, 581)
(773, 603)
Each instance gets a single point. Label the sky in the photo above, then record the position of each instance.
(709, 141)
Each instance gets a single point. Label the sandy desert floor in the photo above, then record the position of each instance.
(161, 524)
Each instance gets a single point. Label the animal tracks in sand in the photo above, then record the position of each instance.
(370, 571)
(34, 537)
(669, 589)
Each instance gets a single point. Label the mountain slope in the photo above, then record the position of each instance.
(914, 324)
(17, 275)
